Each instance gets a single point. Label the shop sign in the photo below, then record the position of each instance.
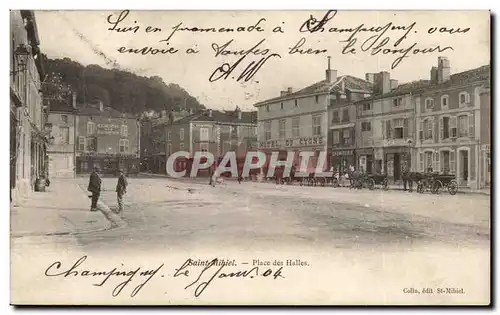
(289, 143)
(342, 153)
(108, 129)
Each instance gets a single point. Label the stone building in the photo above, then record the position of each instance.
(106, 138)
(28, 137)
(211, 131)
(453, 134)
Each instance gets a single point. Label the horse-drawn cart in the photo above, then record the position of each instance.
(435, 183)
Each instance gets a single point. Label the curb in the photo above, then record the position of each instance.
(114, 219)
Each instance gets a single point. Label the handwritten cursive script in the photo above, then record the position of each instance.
(55, 270)
(213, 270)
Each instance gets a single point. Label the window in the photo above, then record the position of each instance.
(336, 137)
(181, 134)
(463, 98)
(317, 99)
(429, 103)
(345, 115)
(281, 105)
(90, 128)
(367, 107)
(204, 147)
(427, 129)
(444, 127)
(267, 108)
(84, 166)
(91, 144)
(398, 128)
(296, 127)
(203, 134)
(267, 130)
(64, 119)
(428, 160)
(123, 143)
(296, 103)
(346, 136)
(81, 143)
(64, 135)
(397, 102)
(124, 130)
(463, 126)
(445, 161)
(316, 124)
(366, 126)
(282, 128)
(444, 102)
(169, 149)
(335, 118)
(453, 127)
(169, 134)
(181, 146)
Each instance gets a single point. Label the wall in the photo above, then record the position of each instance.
(109, 143)
(61, 154)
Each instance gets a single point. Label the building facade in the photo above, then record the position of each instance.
(211, 131)
(107, 139)
(28, 137)
(342, 117)
(61, 148)
(451, 129)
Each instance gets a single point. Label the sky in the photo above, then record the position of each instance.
(85, 37)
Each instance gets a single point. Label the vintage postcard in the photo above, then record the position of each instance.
(250, 157)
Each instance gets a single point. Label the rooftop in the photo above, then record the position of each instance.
(229, 117)
(325, 87)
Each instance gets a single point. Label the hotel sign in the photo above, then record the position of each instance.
(108, 129)
(291, 143)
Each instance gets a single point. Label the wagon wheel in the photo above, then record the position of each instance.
(282, 181)
(420, 187)
(385, 184)
(312, 182)
(437, 186)
(322, 181)
(371, 183)
(452, 187)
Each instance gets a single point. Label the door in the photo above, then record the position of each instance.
(397, 166)
(464, 168)
(369, 162)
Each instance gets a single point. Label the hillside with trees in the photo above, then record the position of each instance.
(121, 90)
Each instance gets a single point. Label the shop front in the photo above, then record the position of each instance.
(109, 164)
(396, 160)
(365, 161)
(342, 159)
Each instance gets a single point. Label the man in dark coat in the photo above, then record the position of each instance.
(121, 189)
(95, 188)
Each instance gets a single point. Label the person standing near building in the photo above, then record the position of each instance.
(121, 189)
(95, 187)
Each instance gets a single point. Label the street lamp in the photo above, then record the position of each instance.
(22, 53)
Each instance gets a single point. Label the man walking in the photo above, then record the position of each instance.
(95, 188)
(121, 189)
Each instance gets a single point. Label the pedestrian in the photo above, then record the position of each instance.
(95, 187)
(121, 189)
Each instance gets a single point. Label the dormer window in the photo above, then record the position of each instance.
(397, 102)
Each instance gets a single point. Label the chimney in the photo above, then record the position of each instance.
(238, 111)
(383, 82)
(434, 75)
(331, 75)
(74, 100)
(283, 93)
(210, 113)
(443, 69)
(370, 77)
(289, 90)
(394, 84)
